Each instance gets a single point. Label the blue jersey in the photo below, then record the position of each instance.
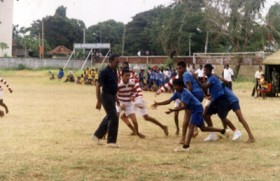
(188, 77)
(216, 89)
(187, 98)
(153, 75)
(161, 76)
(231, 97)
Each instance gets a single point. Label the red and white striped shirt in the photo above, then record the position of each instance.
(5, 83)
(125, 91)
(138, 89)
(169, 85)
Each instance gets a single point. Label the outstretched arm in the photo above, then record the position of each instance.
(176, 109)
(156, 104)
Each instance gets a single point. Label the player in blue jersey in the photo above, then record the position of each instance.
(219, 104)
(194, 105)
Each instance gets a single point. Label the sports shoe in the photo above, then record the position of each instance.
(181, 149)
(95, 139)
(236, 135)
(211, 137)
(112, 145)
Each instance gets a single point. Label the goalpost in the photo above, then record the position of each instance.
(91, 47)
(228, 58)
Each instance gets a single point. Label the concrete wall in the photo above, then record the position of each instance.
(136, 62)
(6, 26)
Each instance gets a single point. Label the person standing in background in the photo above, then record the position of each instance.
(258, 74)
(228, 75)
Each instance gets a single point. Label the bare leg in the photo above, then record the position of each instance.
(156, 122)
(176, 119)
(187, 116)
(189, 136)
(211, 129)
(127, 122)
(134, 121)
(208, 120)
(245, 124)
(4, 105)
(229, 123)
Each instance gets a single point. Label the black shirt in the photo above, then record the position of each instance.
(108, 79)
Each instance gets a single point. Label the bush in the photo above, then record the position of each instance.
(21, 67)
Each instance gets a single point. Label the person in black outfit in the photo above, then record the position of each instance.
(108, 80)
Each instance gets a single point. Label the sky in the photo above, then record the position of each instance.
(90, 11)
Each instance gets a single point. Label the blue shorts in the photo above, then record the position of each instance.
(220, 106)
(197, 119)
(235, 106)
(199, 95)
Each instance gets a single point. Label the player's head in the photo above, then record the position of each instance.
(125, 64)
(226, 66)
(181, 68)
(200, 66)
(125, 75)
(208, 69)
(260, 68)
(114, 60)
(178, 85)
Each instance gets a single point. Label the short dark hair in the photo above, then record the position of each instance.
(125, 62)
(112, 57)
(178, 82)
(125, 70)
(208, 66)
(182, 64)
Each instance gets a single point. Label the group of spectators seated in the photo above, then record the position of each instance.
(88, 77)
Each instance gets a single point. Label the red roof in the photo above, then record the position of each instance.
(60, 50)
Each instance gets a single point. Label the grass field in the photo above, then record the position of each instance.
(46, 136)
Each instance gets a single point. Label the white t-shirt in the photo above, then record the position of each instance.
(199, 72)
(228, 73)
(258, 74)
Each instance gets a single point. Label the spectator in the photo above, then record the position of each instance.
(228, 75)
(60, 73)
(258, 74)
(141, 78)
(275, 81)
(200, 73)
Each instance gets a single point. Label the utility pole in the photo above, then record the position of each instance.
(42, 49)
(84, 39)
(190, 45)
(123, 40)
(206, 42)
(39, 39)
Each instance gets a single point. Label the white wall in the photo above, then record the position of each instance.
(6, 25)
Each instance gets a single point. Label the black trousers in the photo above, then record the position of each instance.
(229, 85)
(255, 87)
(110, 122)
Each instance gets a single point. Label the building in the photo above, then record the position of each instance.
(6, 25)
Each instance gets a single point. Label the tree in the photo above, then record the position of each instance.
(236, 22)
(59, 30)
(107, 32)
(3, 46)
(61, 11)
(273, 27)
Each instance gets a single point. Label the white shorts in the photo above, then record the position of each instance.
(140, 106)
(128, 108)
(177, 103)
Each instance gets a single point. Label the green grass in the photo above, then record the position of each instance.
(46, 136)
